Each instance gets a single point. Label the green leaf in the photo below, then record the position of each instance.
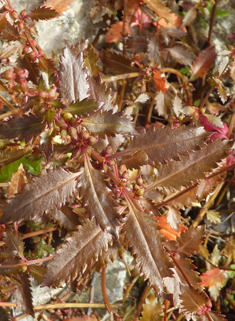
(7, 171)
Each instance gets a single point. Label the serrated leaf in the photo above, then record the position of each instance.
(145, 242)
(198, 193)
(142, 98)
(107, 123)
(116, 63)
(65, 218)
(43, 13)
(173, 217)
(74, 83)
(137, 43)
(151, 309)
(19, 128)
(189, 18)
(213, 216)
(9, 32)
(165, 143)
(114, 251)
(181, 55)
(213, 277)
(41, 196)
(193, 301)
(203, 62)
(96, 195)
(185, 267)
(136, 160)
(23, 294)
(98, 92)
(215, 316)
(214, 120)
(223, 66)
(190, 240)
(161, 10)
(222, 93)
(78, 253)
(11, 155)
(177, 105)
(192, 168)
(83, 107)
(13, 241)
(58, 5)
(161, 105)
(38, 272)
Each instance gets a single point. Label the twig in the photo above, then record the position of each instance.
(212, 21)
(106, 301)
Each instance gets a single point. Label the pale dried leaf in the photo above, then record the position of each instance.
(215, 120)
(177, 105)
(223, 66)
(74, 83)
(107, 123)
(142, 98)
(213, 216)
(161, 106)
(189, 18)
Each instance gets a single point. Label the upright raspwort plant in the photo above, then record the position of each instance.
(75, 158)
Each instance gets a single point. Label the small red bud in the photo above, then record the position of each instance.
(14, 14)
(92, 140)
(8, 74)
(23, 13)
(26, 50)
(85, 135)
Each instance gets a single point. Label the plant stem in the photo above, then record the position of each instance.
(31, 262)
(70, 305)
(212, 21)
(121, 76)
(106, 301)
(6, 102)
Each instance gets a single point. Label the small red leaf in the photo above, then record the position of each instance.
(159, 82)
(212, 277)
(58, 5)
